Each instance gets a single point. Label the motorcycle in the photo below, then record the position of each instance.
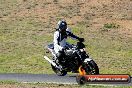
(75, 60)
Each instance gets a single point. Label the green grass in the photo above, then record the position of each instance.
(111, 25)
(113, 55)
(8, 82)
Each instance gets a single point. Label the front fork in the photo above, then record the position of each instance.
(83, 67)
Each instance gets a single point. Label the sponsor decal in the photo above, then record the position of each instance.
(103, 79)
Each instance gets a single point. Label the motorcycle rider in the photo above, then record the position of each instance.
(60, 37)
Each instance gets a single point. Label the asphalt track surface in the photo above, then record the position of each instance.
(48, 78)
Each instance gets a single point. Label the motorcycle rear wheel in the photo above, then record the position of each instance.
(58, 72)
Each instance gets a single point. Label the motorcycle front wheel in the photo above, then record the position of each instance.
(89, 68)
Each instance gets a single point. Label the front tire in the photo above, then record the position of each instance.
(58, 72)
(90, 68)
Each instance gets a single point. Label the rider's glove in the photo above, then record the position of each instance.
(81, 39)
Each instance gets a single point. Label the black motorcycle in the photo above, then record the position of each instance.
(75, 60)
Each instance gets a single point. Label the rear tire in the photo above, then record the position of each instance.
(91, 68)
(58, 72)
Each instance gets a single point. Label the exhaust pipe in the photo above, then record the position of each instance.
(50, 61)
